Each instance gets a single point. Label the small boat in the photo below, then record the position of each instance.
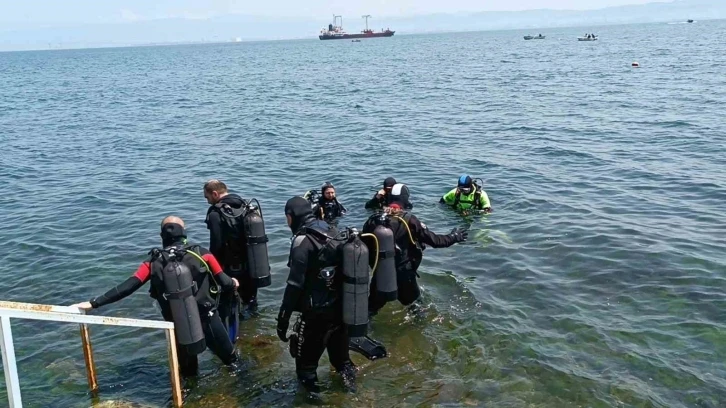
(354, 40)
(591, 37)
(690, 21)
(538, 37)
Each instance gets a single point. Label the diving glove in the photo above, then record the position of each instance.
(459, 235)
(283, 323)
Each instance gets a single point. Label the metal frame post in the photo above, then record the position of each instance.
(88, 356)
(9, 364)
(176, 391)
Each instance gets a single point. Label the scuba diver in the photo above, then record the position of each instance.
(326, 207)
(467, 195)
(185, 281)
(399, 243)
(382, 197)
(237, 239)
(315, 289)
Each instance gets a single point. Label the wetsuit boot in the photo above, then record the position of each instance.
(248, 293)
(309, 381)
(348, 374)
(250, 308)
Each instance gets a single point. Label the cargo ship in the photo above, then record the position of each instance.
(336, 32)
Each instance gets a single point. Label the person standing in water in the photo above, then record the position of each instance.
(467, 196)
(411, 238)
(328, 208)
(383, 196)
(314, 289)
(227, 246)
(163, 269)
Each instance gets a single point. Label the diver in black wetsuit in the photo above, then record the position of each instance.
(314, 288)
(208, 277)
(383, 197)
(328, 208)
(411, 237)
(231, 253)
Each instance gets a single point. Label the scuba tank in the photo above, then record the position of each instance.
(385, 271)
(313, 196)
(356, 275)
(479, 183)
(180, 290)
(258, 263)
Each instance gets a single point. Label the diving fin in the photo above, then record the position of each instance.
(369, 348)
(233, 319)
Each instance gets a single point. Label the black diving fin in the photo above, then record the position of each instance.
(369, 348)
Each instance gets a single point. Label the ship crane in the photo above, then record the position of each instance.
(367, 16)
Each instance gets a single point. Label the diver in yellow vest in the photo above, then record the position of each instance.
(467, 196)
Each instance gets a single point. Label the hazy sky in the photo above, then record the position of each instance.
(33, 12)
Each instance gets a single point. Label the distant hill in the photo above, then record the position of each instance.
(645, 13)
(226, 28)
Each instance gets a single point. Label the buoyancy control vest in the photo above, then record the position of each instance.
(409, 258)
(477, 198)
(323, 209)
(234, 254)
(246, 241)
(322, 280)
(329, 210)
(180, 282)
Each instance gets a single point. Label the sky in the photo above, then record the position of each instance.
(35, 13)
(55, 24)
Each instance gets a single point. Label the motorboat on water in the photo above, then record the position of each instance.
(587, 37)
(690, 21)
(537, 37)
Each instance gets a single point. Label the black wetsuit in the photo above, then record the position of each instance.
(215, 334)
(314, 288)
(329, 210)
(408, 256)
(232, 255)
(377, 203)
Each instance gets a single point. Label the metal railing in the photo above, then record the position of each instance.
(68, 314)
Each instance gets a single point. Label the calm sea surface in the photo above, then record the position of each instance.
(598, 281)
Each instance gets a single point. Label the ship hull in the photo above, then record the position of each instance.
(354, 36)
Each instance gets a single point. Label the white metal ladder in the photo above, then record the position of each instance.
(68, 314)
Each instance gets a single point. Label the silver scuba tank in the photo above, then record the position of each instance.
(179, 291)
(385, 273)
(258, 263)
(356, 277)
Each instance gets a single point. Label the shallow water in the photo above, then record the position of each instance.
(598, 281)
